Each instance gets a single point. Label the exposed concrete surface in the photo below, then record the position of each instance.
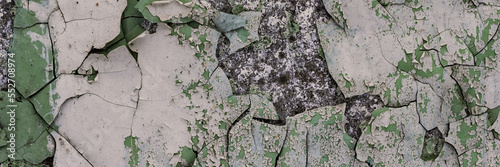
(6, 34)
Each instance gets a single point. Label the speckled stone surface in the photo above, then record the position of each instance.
(286, 62)
(6, 30)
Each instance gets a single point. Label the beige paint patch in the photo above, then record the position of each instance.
(162, 105)
(316, 138)
(117, 81)
(79, 27)
(480, 86)
(435, 109)
(255, 143)
(394, 136)
(354, 73)
(96, 128)
(65, 154)
(251, 27)
(166, 10)
(212, 129)
(468, 133)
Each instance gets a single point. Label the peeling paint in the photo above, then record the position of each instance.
(289, 83)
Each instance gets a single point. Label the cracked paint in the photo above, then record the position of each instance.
(66, 154)
(33, 143)
(70, 29)
(393, 133)
(253, 83)
(95, 137)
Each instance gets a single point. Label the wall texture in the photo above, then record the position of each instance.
(251, 82)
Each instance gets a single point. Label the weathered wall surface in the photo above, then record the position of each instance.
(6, 24)
(251, 83)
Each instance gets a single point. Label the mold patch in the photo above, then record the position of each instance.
(285, 62)
(433, 145)
(358, 112)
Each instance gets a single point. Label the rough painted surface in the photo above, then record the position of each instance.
(96, 137)
(66, 154)
(257, 83)
(393, 136)
(73, 37)
(32, 142)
